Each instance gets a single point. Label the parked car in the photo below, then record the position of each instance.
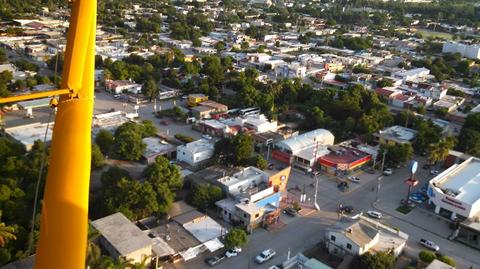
(164, 122)
(426, 166)
(429, 244)
(346, 209)
(212, 261)
(354, 179)
(290, 211)
(206, 136)
(233, 252)
(270, 166)
(388, 172)
(434, 172)
(374, 214)
(265, 255)
(274, 267)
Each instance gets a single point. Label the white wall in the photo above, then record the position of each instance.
(185, 155)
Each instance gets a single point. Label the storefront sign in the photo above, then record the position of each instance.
(453, 203)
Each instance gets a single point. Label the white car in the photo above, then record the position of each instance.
(354, 179)
(388, 172)
(433, 172)
(233, 252)
(429, 244)
(265, 255)
(374, 214)
(206, 136)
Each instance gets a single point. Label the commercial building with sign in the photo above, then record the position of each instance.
(455, 192)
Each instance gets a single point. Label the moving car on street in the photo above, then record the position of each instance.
(429, 244)
(265, 255)
(388, 172)
(374, 214)
(354, 179)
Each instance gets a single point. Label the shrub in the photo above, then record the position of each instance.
(427, 256)
(184, 138)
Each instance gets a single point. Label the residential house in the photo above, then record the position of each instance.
(396, 135)
(196, 152)
(359, 235)
(121, 86)
(253, 197)
(123, 239)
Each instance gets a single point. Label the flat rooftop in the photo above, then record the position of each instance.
(244, 174)
(28, 134)
(398, 133)
(344, 155)
(200, 145)
(156, 146)
(177, 237)
(463, 178)
(205, 229)
(122, 234)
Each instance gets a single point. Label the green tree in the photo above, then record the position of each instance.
(6, 233)
(379, 260)
(203, 197)
(149, 129)
(220, 46)
(243, 148)
(162, 172)
(196, 42)
(104, 139)
(439, 151)
(398, 153)
(260, 162)
(97, 157)
(150, 89)
(236, 238)
(129, 145)
(469, 138)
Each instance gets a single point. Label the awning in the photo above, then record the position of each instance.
(213, 245)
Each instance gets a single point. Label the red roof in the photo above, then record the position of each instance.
(344, 156)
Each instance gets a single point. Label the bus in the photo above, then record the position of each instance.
(249, 111)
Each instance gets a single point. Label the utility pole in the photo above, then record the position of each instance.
(379, 179)
(317, 207)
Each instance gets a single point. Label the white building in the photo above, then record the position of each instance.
(468, 51)
(260, 124)
(120, 86)
(416, 74)
(293, 70)
(286, 150)
(195, 152)
(360, 235)
(455, 192)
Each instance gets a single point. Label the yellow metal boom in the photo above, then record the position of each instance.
(64, 221)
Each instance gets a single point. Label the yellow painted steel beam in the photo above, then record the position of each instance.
(36, 95)
(64, 221)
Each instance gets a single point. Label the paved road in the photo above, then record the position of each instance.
(302, 233)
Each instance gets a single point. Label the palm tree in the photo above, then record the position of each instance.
(439, 151)
(6, 233)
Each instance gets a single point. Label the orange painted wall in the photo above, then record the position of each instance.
(280, 179)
